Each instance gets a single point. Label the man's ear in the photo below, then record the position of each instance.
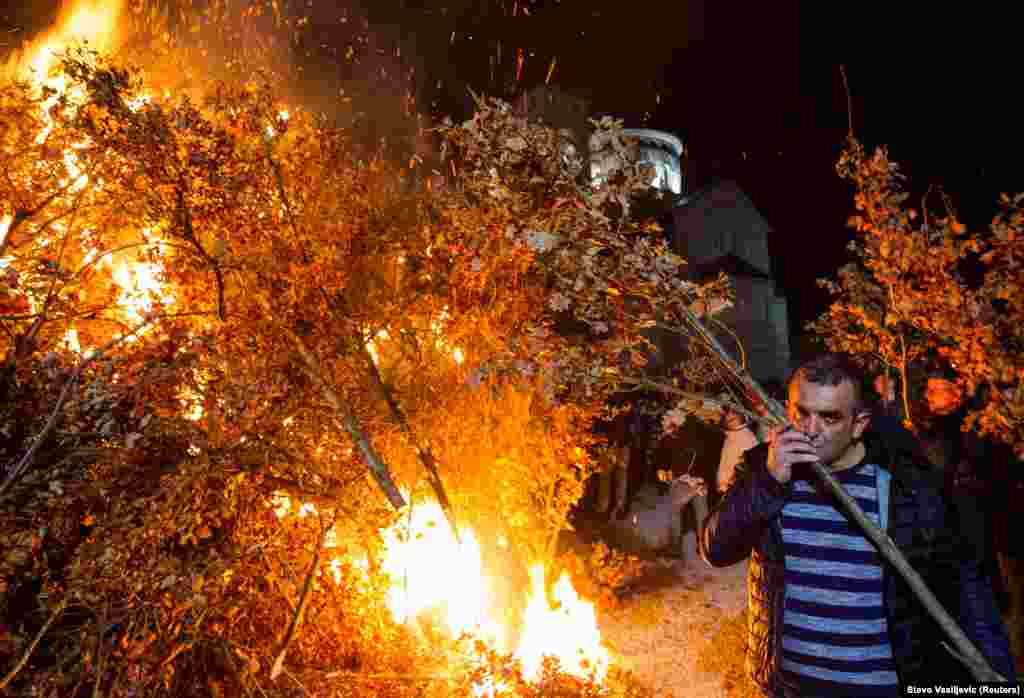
(791, 411)
(861, 420)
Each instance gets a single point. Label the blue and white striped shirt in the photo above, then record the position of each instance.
(835, 638)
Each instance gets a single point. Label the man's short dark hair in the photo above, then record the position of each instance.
(833, 369)
(942, 372)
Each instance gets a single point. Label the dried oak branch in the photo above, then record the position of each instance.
(188, 232)
(301, 606)
(378, 468)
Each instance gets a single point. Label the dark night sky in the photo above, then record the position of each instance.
(753, 88)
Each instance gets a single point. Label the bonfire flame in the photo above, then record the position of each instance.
(566, 630)
(139, 286)
(94, 23)
(91, 21)
(433, 573)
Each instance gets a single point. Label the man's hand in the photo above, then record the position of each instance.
(733, 421)
(789, 446)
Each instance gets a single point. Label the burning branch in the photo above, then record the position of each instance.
(378, 468)
(968, 653)
(24, 215)
(189, 234)
(424, 453)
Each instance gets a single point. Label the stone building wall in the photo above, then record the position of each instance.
(719, 229)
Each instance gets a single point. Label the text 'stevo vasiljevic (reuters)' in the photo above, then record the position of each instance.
(968, 689)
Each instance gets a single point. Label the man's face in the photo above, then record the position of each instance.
(943, 396)
(827, 414)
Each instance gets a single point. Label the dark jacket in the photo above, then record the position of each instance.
(986, 477)
(917, 516)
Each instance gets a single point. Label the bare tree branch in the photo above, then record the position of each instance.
(22, 215)
(301, 606)
(699, 397)
(423, 452)
(189, 233)
(849, 100)
(32, 647)
(426, 456)
(378, 468)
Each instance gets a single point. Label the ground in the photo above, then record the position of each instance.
(678, 629)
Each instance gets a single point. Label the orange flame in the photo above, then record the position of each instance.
(566, 630)
(433, 572)
(139, 287)
(91, 21)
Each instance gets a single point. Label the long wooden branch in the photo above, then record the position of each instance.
(32, 647)
(301, 606)
(697, 397)
(51, 292)
(378, 468)
(23, 215)
(189, 234)
(423, 452)
(968, 653)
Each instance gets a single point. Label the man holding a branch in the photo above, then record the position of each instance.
(827, 615)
